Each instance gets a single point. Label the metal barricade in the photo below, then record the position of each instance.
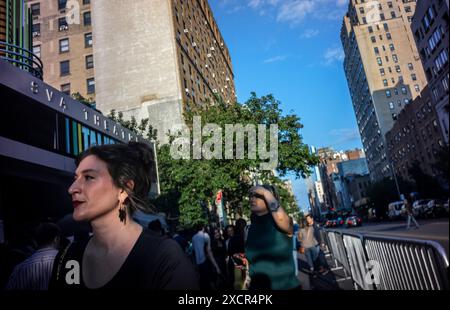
(390, 263)
(336, 245)
(408, 264)
(358, 261)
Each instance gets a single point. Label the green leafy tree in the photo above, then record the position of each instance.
(193, 182)
(86, 101)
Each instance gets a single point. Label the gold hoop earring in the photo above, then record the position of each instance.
(123, 212)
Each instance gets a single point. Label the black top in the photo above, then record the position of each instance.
(155, 262)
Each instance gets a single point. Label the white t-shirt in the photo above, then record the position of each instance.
(199, 241)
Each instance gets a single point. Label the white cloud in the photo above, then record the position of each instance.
(275, 59)
(342, 2)
(344, 135)
(255, 3)
(333, 54)
(295, 11)
(309, 33)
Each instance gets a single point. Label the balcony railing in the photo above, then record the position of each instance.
(21, 58)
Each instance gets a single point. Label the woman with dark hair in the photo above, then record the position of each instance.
(110, 183)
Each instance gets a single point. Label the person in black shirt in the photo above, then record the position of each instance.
(111, 182)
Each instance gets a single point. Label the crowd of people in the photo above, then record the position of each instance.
(111, 183)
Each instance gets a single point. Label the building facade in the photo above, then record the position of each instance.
(430, 28)
(62, 38)
(383, 71)
(416, 138)
(170, 59)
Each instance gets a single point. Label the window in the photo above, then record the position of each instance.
(404, 91)
(391, 47)
(36, 28)
(441, 60)
(389, 4)
(391, 105)
(386, 27)
(379, 61)
(413, 77)
(370, 29)
(375, 49)
(64, 67)
(62, 4)
(406, 100)
(382, 72)
(444, 83)
(388, 94)
(392, 14)
(65, 88)
(417, 88)
(62, 24)
(435, 94)
(400, 79)
(388, 36)
(361, 10)
(385, 82)
(394, 116)
(396, 91)
(397, 68)
(64, 45)
(395, 58)
(89, 61)
(407, 9)
(87, 18)
(37, 51)
(86, 2)
(373, 39)
(364, 20)
(88, 39)
(36, 9)
(90, 83)
(410, 66)
(434, 39)
(389, 69)
(382, 16)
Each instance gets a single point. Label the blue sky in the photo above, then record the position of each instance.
(292, 49)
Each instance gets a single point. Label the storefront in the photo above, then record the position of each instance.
(41, 132)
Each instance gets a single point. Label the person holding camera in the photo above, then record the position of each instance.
(269, 243)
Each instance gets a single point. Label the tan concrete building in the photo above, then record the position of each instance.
(65, 45)
(383, 70)
(157, 58)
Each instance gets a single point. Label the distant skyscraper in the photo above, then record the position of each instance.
(383, 71)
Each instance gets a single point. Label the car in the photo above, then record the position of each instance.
(396, 209)
(419, 207)
(340, 222)
(353, 221)
(435, 207)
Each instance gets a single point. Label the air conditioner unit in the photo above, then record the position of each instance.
(227, 79)
(226, 86)
(63, 27)
(194, 44)
(36, 34)
(185, 30)
(212, 48)
(215, 91)
(208, 55)
(206, 66)
(213, 75)
(206, 22)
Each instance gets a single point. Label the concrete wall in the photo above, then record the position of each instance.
(136, 69)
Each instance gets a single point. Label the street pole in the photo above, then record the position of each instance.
(395, 179)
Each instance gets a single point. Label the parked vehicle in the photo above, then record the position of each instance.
(353, 221)
(396, 209)
(435, 207)
(419, 207)
(340, 221)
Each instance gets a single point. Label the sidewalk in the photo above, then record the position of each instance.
(334, 280)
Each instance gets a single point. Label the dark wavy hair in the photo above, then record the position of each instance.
(128, 162)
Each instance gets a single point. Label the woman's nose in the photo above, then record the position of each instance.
(74, 188)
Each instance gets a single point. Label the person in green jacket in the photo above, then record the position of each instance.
(269, 243)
